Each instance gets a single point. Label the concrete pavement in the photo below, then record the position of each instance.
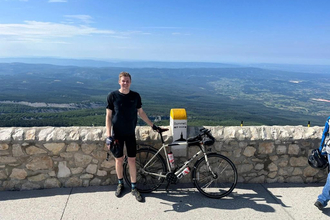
(248, 201)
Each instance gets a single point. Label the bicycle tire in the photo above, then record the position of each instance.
(225, 180)
(146, 183)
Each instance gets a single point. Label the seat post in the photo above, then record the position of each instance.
(161, 137)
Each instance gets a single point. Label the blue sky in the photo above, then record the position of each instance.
(225, 31)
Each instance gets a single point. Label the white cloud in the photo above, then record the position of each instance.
(84, 18)
(35, 29)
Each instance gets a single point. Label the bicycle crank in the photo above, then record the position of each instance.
(171, 178)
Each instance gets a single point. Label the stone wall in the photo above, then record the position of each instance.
(49, 157)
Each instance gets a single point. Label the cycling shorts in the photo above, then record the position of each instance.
(129, 141)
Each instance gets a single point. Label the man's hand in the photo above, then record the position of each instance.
(109, 141)
(155, 128)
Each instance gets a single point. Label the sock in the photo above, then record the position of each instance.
(120, 181)
(133, 185)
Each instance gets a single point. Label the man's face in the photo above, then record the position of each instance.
(124, 82)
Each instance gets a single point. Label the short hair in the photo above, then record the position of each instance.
(125, 74)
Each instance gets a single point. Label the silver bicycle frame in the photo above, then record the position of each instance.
(202, 150)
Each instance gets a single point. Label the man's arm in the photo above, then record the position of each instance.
(325, 133)
(144, 117)
(108, 124)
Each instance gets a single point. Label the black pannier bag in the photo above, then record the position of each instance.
(207, 141)
(317, 160)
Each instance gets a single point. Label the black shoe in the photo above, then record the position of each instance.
(319, 205)
(137, 195)
(119, 190)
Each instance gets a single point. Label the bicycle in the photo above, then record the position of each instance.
(213, 174)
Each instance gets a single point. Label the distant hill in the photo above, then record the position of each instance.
(173, 65)
(124, 64)
(294, 67)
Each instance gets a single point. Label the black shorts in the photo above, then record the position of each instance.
(129, 141)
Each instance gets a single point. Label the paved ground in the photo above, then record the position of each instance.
(248, 201)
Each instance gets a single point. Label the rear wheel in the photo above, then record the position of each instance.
(219, 183)
(147, 182)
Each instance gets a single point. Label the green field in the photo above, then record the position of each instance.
(211, 96)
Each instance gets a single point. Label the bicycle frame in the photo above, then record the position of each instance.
(182, 167)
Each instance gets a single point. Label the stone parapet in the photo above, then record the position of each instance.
(49, 157)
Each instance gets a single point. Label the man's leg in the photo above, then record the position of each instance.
(132, 169)
(324, 198)
(119, 167)
(119, 171)
(131, 159)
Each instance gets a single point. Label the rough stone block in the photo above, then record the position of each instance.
(7, 160)
(63, 170)
(266, 148)
(298, 161)
(294, 149)
(60, 134)
(272, 167)
(30, 186)
(5, 134)
(18, 174)
(88, 148)
(40, 163)
(91, 168)
(310, 171)
(3, 146)
(82, 160)
(52, 183)
(46, 134)
(101, 173)
(37, 178)
(30, 135)
(17, 150)
(294, 179)
(281, 149)
(72, 147)
(108, 164)
(55, 148)
(35, 150)
(95, 182)
(3, 175)
(18, 134)
(76, 170)
(86, 176)
(73, 134)
(73, 182)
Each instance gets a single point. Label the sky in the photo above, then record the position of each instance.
(223, 31)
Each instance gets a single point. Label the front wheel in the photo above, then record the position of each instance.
(146, 176)
(217, 179)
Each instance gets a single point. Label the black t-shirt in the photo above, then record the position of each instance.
(124, 111)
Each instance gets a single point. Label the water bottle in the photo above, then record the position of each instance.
(171, 159)
(184, 172)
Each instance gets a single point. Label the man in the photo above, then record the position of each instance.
(121, 118)
(324, 197)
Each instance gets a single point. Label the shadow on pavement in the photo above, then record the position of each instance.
(184, 200)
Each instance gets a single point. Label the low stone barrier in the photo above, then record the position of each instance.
(49, 157)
